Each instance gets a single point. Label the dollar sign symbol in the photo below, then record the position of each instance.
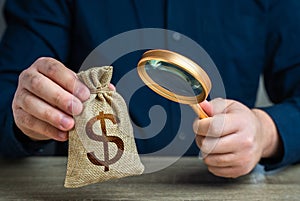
(105, 139)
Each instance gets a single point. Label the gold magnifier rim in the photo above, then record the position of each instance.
(181, 62)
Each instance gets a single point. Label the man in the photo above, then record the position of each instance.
(47, 41)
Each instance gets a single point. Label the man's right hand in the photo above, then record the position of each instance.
(47, 96)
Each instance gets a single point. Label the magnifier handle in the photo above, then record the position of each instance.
(201, 114)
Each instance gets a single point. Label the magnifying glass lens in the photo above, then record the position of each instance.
(173, 78)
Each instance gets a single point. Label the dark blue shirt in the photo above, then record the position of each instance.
(244, 38)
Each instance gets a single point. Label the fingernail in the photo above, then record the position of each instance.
(83, 93)
(75, 107)
(66, 122)
(62, 135)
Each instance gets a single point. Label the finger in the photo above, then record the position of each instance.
(199, 140)
(34, 135)
(52, 93)
(63, 76)
(222, 145)
(112, 87)
(43, 111)
(207, 107)
(207, 145)
(28, 122)
(219, 105)
(229, 172)
(217, 126)
(220, 160)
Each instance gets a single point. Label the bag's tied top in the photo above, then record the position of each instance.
(97, 80)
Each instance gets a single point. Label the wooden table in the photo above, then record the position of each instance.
(188, 179)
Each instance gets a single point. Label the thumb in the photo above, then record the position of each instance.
(112, 87)
(207, 107)
(216, 106)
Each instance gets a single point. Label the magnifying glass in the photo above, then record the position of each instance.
(175, 77)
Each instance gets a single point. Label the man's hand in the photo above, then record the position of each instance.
(234, 138)
(47, 96)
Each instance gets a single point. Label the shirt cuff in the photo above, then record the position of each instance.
(286, 117)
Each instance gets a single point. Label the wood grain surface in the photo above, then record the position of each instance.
(42, 178)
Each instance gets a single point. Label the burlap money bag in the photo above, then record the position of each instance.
(101, 145)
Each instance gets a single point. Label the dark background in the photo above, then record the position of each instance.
(262, 99)
(2, 24)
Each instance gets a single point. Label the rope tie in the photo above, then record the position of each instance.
(99, 90)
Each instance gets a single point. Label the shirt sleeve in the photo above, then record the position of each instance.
(34, 29)
(282, 78)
